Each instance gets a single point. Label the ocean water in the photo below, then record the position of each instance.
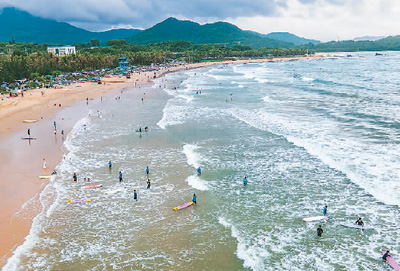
(305, 133)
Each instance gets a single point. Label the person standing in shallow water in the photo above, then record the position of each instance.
(109, 164)
(148, 183)
(194, 199)
(325, 211)
(120, 176)
(134, 195)
(320, 231)
(147, 170)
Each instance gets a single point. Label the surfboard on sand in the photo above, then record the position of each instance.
(29, 121)
(183, 206)
(390, 260)
(78, 200)
(114, 191)
(92, 186)
(28, 138)
(314, 218)
(45, 177)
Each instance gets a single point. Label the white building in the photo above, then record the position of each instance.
(61, 50)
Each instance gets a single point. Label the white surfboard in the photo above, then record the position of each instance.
(115, 191)
(314, 218)
(351, 225)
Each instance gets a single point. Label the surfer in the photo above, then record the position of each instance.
(75, 178)
(245, 181)
(120, 176)
(198, 171)
(194, 199)
(359, 222)
(134, 195)
(325, 211)
(147, 170)
(146, 128)
(109, 164)
(140, 129)
(148, 183)
(320, 231)
(387, 254)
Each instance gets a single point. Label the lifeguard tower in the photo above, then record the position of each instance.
(123, 64)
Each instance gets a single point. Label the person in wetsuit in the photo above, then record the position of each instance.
(359, 222)
(320, 231)
(325, 211)
(386, 255)
(148, 183)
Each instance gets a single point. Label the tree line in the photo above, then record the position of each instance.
(21, 60)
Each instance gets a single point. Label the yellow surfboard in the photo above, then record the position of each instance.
(45, 177)
(29, 121)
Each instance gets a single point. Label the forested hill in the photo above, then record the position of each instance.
(21, 26)
(289, 37)
(220, 32)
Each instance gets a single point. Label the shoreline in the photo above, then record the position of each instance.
(35, 106)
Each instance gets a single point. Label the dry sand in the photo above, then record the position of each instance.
(20, 166)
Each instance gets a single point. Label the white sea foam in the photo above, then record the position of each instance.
(195, 182)
(252, 255)
(304, 78)
(193, 157)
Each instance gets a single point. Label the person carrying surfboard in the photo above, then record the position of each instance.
(387, 254)
(359, 222)
(325, 211)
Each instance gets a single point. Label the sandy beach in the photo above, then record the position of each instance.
(21, 161)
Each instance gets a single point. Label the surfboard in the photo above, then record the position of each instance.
(183, 206)
(45, 177)
(143, 130)
(29, 121)
(78, 200)
(28, 138)
(115, 191)
(314, 218)
(92, 186)
(390, 260)
(351, 225)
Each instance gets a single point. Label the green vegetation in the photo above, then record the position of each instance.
(19, 61)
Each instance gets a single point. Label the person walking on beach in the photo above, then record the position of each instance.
(320, 231)
(148, 183)
(55, 126)
(75, 178)
(44, 164)
(245, 181)
(120, 176)
(147, 170)
(194, 199)
(109, 164)
(325, 211)
(134, 195)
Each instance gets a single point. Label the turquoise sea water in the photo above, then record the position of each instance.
(305, 133)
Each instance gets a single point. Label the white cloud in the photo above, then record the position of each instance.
(318, 19)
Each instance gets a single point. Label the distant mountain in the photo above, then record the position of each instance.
(291, 38)
(24, 27)
(220, 32)
(370, 38)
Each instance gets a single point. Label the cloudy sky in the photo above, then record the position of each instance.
(318, 19)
